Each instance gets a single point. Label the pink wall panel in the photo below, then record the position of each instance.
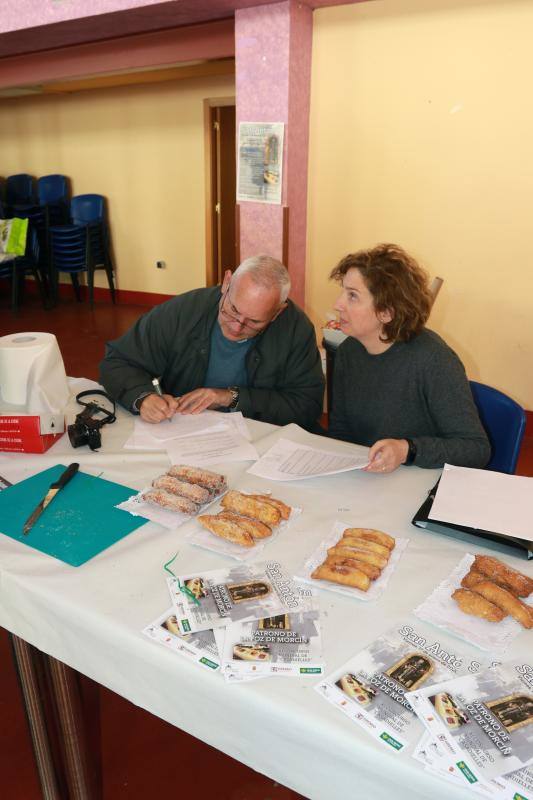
(273, 57)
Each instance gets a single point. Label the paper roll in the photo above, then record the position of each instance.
(32, 373)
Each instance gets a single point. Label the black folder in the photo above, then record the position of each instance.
(496, 541)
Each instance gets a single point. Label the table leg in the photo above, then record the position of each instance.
(82, 773)
(27, 665)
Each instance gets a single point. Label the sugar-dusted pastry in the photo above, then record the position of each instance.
(372, 535)
(226, 529)
(203, 477)
(496, 570)
(198, 494)
(369, 569)
(347, 576)
(284, 510)
(506, 601)
(364, 544)
(172, 502)
(255, 528)
(360, 555)
(477, 606)
(250, 507)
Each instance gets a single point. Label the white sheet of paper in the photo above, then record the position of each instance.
(211, 448)
(483, 499)
(147, 436)
(288, 461)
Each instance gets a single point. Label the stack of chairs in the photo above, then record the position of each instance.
(82, 245)
(17, 267)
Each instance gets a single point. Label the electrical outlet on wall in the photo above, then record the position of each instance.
(161, 264)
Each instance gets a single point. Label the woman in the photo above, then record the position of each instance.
(398, 387)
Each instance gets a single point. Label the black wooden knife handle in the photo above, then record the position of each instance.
(66, 476)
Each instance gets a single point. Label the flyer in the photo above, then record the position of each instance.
(199, 647)
(485, 721)
(285, 644)
(213, 599)
(371, 687)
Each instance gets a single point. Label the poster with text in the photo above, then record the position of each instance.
(260, 162)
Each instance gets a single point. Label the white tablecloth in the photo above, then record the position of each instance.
(91, 617)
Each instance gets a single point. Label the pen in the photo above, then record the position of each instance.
(157, 387)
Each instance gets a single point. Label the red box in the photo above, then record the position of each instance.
(30, 433)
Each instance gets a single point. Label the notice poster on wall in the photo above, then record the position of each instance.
(260, 162)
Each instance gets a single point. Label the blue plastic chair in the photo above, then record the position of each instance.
(17, 267)
(53, 196)
(89, 210)
(69, 251)
(504, 421)
(20, 190)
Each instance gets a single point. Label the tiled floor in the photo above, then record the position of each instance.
(142, 755)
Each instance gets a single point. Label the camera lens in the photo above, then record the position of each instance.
(78, 435)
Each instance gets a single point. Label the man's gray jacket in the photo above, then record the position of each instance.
(172, 341)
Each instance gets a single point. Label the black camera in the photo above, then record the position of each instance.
(86, 428)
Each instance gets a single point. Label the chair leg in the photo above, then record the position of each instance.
(109, 273)
(76, 285)
(38, 281)
(14, 286)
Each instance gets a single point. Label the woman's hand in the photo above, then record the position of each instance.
(386, 455)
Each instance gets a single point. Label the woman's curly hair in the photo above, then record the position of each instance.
(397, 284)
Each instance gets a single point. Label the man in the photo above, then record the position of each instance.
(243, 346)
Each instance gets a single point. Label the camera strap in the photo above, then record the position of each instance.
(108, 415)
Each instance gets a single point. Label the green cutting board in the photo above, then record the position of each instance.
(79, 523)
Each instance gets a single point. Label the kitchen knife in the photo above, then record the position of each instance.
(51, 493)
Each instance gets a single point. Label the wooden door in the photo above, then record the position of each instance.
(221, 192)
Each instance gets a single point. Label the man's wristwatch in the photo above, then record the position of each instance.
(411, 452)
(235, 392)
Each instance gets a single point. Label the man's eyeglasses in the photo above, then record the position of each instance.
(233, 314)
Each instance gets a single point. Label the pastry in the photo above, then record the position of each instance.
(347, 576)
(369, 569)
(360, 555)
(372, 535)
(471, 578)
(497, 571)
(248, 506)
(506, 601)
(198, 494)
(472, 603)
(284, 510)
(172, 502)
(203, 477)
(364, 544)
(256, 529)
(226, 529)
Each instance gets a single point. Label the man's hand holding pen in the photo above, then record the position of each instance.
(156, 408)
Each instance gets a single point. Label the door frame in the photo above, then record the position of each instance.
(211, 223)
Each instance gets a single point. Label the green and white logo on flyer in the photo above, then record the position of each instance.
(391, 740)
(469, 775)
(208, 663)
(185, 625)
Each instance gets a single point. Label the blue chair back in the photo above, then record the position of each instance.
(87, 208)
(52, 189)
(504, 421)
(20, 190)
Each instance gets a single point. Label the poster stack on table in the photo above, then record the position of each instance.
(249, 620)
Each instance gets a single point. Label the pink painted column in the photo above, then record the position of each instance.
(273, 72)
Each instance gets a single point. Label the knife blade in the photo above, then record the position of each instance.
(55, 487)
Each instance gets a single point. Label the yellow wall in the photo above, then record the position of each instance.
(422, 134)
(142, 147)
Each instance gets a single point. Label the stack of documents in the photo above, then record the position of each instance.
(198, 439)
